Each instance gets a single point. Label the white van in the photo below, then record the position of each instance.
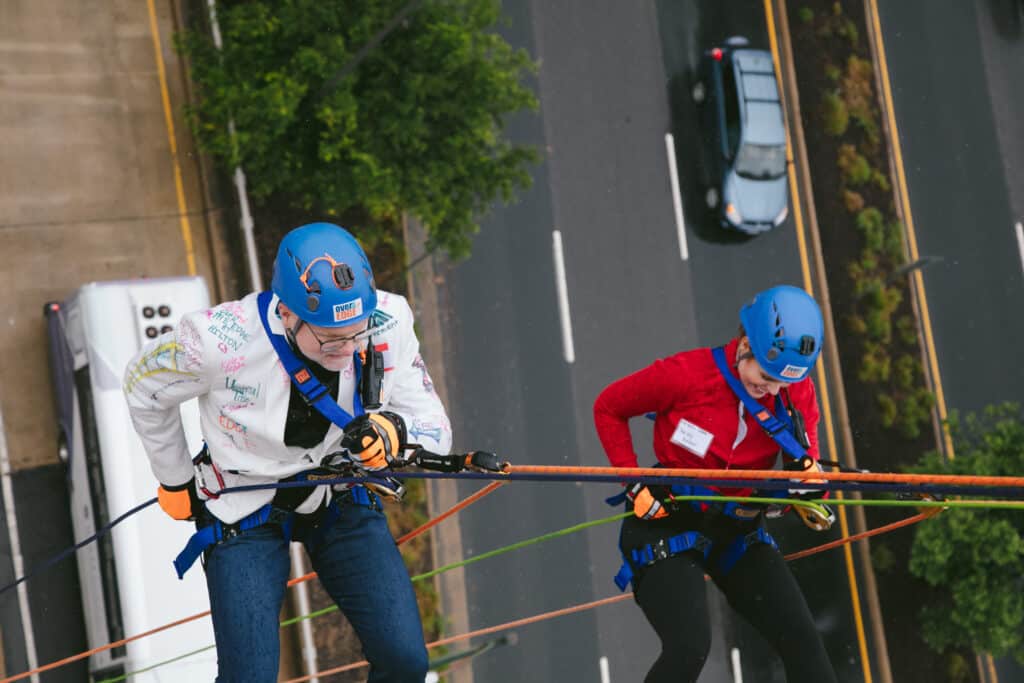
(127, 578)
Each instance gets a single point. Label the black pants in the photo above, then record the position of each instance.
(760, 587)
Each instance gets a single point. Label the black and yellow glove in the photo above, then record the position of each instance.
(376, 441)
(646, 500)
(181, 502)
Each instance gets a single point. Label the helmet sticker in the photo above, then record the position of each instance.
(793, 371)
(348, 310)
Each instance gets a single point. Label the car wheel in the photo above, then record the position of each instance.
(699, 92)
(711, 198)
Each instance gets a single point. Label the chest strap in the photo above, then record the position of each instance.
(777, 424)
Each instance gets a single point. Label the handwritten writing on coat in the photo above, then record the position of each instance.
(244, 393)
(228, 329)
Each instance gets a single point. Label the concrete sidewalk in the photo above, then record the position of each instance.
(87, 179)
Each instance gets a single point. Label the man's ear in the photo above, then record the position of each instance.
(285, 313)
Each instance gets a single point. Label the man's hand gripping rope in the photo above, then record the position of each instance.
(376, 442)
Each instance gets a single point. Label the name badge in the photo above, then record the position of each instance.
(691, 437)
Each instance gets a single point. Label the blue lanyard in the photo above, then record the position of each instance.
(779, 428)
(312, 389)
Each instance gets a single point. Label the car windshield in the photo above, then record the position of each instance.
(761, 162)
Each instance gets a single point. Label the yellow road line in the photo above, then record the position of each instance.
(901, 179)
(805, 267)
(186, 230)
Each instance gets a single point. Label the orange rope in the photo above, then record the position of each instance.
(451, 511)
(109, 646)
(931, 512)
(883, 477)
(482, 632)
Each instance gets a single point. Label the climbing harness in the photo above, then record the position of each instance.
(639, 558)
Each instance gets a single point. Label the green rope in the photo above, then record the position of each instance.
(154, 666)
(815, 503)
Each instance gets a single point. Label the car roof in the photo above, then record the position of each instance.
(760, 92)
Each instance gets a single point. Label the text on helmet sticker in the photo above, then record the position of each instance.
(793, 371)
(347, 311)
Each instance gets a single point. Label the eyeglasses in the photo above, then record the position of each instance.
(335, 344)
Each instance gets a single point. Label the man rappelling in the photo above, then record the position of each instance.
(321, 375)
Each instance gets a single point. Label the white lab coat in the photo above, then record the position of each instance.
(224, 357)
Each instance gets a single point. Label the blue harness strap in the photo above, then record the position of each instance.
(661, 549)
(778, 424)
(312, 389)
(218, 532)
(740, 546)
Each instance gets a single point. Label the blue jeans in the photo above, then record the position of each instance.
(358, 564)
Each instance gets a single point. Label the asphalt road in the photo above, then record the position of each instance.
(959, 112)
(613, 80)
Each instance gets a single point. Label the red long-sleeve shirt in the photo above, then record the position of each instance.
(688, 386)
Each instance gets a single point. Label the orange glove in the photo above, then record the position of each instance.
(805, 465)
(180, 502)
(376, 440)
(645, 504)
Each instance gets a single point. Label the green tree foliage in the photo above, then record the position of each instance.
(975, 558)
(415, 127)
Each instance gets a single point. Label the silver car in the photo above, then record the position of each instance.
(745, 136)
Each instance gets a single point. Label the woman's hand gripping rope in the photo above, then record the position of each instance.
(815, 516)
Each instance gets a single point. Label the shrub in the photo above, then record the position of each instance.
(882, 557)
(835, 117)
(871, 224)
(906, 330)
(893, 246)
(853, 201)
(874, 364)
(905, 371)
(917, 410)
(833, 72)
(806, 15)
(879, 326)
(886, 409)
(880, 180)
(857, 88)
(856, 325)
(854, 168)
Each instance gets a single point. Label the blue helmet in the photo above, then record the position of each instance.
(322, 274)
(785, 330)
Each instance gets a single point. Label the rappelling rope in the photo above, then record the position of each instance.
(936, 507)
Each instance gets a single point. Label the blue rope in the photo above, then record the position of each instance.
(81, 544)
(770, 484)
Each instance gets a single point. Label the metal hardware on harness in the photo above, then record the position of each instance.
(662, 549)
